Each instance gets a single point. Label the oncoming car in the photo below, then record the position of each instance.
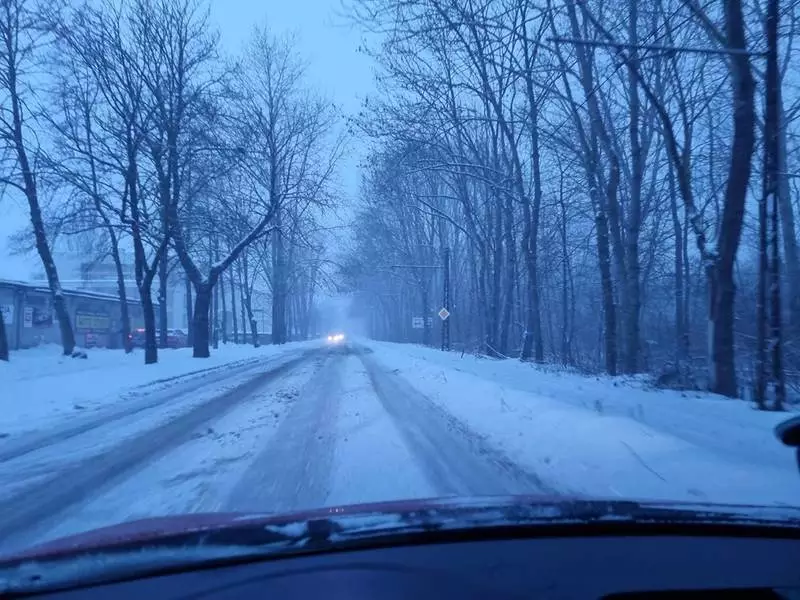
(335, 338)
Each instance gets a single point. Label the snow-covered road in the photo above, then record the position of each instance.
(308, 428)
(307, 425)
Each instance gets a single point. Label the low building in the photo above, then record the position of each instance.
(29, 318)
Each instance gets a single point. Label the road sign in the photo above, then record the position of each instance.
(417, 323)
(443, 314)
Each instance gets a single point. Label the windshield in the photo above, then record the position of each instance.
(272, 258)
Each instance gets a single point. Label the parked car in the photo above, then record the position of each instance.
(176, 338)
(136, 337)
(91, 340)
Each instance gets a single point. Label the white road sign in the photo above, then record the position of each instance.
(443, 314)
(417, 323)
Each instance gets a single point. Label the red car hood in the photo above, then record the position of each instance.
(377, 518)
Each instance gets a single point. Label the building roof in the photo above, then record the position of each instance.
(36, 287)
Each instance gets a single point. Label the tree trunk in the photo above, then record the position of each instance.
(148, 311)
(483, 302)
(278, 285)
(496, 221)
(124, 312)
(776, 345)
(771, 130)
(566, 350)
(202, 307)
(532, 240)
(533, 344)
(632, 290)
(243, 307)
(224, 325)
(189, 319)
(125, 322)
(687, 287)
(43, 247)
(510, 274)
(534, 317)
(681, 330)
(32, 196)
(162, 301)
(789, 234)
(723, 288)
(609, 309)
(215, 302)
(3, 338)
(248, 307)
(215, 324)
(759, 391)
(604, 254)
(234, 320)
(254, 331)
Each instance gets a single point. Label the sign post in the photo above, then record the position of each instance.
(445, 312)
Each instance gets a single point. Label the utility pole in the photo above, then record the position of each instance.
(446, 299)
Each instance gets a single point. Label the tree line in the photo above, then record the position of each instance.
(129, 131)
(594, 169)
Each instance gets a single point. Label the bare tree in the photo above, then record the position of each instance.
(290, 154)
(481, 105)
(21, 35)
(82, 159)
(105, 131)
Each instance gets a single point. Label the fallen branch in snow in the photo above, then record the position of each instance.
(641, 461)
(497, 352)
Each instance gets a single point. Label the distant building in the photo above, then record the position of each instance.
(30, 319)
(100, 276)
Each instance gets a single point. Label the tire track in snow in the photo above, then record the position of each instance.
(455, 459)
(38, 506)
(142, 400)
(198, 475)
(293, 471)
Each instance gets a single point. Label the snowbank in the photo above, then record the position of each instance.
(40, 385)
(603, 436)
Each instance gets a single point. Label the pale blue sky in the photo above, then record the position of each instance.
(335, 68)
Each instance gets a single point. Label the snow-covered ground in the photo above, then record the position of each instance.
(40, 386)
(607, 436)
